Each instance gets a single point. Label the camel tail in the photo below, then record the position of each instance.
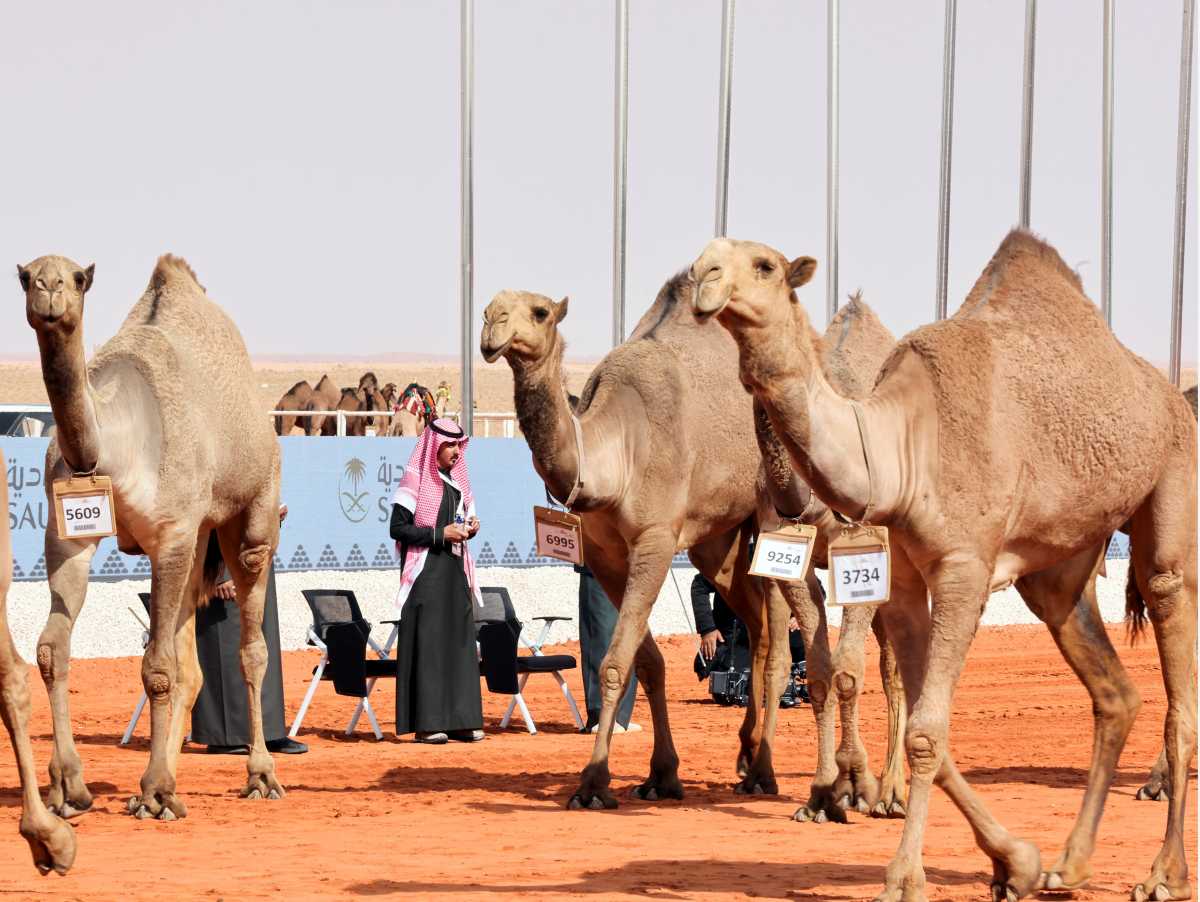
(1135, 608)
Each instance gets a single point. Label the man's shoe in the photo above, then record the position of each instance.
(286, 746)
(432, 738)
(228, 750)
(466, 735)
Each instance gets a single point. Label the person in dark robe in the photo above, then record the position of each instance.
(433, 516)
(221, 715)
(597, 620)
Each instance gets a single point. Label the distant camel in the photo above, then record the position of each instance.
(296, 398)
(326, 396)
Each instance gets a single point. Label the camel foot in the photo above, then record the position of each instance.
(855, 803)
(597, 801)
(889, 809)
(163, 806)
(757, 786)
(657, 788)
(1070, 872)
(820, 808)
(263, 786)
(1153, 791)
(1017, 874)
(52, 844)
(1159, 887)
(68, 810)
(893, 800)
(905, 894)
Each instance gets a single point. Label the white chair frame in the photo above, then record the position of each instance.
(518, 700)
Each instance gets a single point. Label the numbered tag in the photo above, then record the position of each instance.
(85, 508)
(860, 566)
(784, 553)
(559, 535)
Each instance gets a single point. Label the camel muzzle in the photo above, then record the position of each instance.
(709, 297)
(491, 355)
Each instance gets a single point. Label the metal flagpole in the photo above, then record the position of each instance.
(726, 104)
(1106, 178)
(620, 170)
(943, 250)
(1027, 111)
(1181, 178)
(466, 213)
(831, 159)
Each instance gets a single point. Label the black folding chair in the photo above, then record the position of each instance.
(144, 597)
(506, 672)
(340, 632)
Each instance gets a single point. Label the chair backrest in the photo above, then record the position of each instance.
(498, 656)
(145, 597)
(497, 605)
(331, 606)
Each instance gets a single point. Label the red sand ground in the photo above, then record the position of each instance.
(469, 821)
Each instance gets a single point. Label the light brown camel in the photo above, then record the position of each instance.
(51, 839)
(326, 396)
(1004, 444)
(295, 398)
(166, 409)
(659, 477)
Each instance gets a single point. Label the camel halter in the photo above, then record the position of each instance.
(864, 438)
(575, 489)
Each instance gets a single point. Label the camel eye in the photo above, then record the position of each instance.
(540, 314)
(765, 267)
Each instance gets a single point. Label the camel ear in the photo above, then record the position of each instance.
(23, 276)
(801, 270)
(560, 309)
(83, 280)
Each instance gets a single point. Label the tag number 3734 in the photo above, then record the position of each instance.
(863, 575)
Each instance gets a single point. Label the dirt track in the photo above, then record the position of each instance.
(389, 819)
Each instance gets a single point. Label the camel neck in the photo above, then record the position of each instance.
(545, 419)
(816, 424)
(64, 371)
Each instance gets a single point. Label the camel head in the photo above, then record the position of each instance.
(389, 393)
(521, 325)
(54, 289)
(746, 281)
(368, 383)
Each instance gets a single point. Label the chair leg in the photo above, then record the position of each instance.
(137, 713)
(504, 721)
(308, 697)
(529, 724)
(566, 690)
(371, 719)
(358, 709)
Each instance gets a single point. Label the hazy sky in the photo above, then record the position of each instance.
(304, 157)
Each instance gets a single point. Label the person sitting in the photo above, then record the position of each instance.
(433, 517)
(724, 640)
(220, 717)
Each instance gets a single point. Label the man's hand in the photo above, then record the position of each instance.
(226, 591)
(472, 527)
(455, 533)
(792, 624)
(282, 513)
(708, 644)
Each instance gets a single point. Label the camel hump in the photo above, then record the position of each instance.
(171, 270)
(1023, 244)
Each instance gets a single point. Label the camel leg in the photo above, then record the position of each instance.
(171, 577)
(188, 676)
(1064, 597)
(50, 839)
(67, 563)
(807, 603)
(773, 665)
(893, 790)
(1163, 541)
(649, 561)
(856, 786)
(960, 587)
(663, 781)
(247, 552)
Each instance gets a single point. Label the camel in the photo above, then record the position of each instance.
(656, 480)
(372, 399)
(351, 400)
(165, 409)
(295, 398)
(325, 396)
(50, 838)
(413, 408)
(1002, 445)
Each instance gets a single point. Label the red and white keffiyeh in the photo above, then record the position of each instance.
(420, 491)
